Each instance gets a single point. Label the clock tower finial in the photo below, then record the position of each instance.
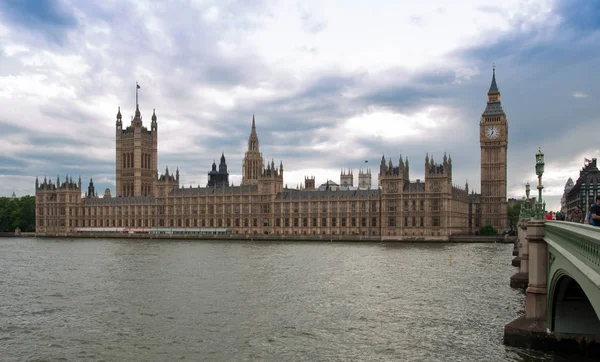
(493, 92)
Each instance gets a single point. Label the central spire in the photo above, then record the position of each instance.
(253, 165)
(253, 139)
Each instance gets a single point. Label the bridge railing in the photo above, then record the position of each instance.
(583, 241)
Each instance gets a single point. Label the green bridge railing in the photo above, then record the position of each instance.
(583, 241)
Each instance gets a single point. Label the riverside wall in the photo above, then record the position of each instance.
(257, 237)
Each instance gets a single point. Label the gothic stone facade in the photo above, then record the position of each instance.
(493, 136)
(401, 209)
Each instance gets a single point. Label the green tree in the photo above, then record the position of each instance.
(488, 230)
(4, 217)
(513, 215)
(17, 213)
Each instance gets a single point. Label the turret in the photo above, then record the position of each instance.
(382, 166)
(223, 164)
(119, 119)
(346, 178)
(154, 124)
(364, 179)
(401, 165)
(309, 183)
(137, 118)
(91, 189)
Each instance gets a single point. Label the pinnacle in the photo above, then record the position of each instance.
(493, 86)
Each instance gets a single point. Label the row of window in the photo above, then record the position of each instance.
(246, 222)
(435, 221)
(435, 205)
(128, 160)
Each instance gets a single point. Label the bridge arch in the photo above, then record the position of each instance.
(570, 309)
(573, 275)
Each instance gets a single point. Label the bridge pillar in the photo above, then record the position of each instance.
(535, 298)
(530, 330)
(524, 248)
(521, 278)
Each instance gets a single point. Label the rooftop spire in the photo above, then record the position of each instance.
(253, 139)
(493, 86)
(137, 88)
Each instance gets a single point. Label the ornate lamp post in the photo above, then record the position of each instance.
(539, 170)
(526, 207)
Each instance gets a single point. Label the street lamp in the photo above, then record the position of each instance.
(526, 208)
(539, 170)
(527, 197)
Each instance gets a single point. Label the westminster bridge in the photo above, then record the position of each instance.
(560, 270)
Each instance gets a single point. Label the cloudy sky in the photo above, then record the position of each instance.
(331, 86)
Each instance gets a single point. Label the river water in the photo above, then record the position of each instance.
(123, 300)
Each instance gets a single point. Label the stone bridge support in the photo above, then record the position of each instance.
(530, 329)
(535, 298)
(521, 278)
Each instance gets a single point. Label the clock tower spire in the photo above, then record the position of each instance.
(493, 140)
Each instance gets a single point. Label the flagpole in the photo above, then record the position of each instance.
(137, 87)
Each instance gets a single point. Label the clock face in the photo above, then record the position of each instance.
(492, 132)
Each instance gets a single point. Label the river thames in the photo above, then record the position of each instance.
(148, 300)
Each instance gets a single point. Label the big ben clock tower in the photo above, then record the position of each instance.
(493, 139)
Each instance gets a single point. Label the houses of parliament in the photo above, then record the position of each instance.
(398, 209)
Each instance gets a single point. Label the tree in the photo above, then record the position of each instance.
(488, 230)
(17, 213)
(513, 215)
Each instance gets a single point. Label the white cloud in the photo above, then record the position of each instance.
(579, 95)
(384, 124)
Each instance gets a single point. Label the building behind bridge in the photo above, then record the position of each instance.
(400, 208)
(586, 188)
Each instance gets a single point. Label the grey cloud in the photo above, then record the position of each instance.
(48, 18)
